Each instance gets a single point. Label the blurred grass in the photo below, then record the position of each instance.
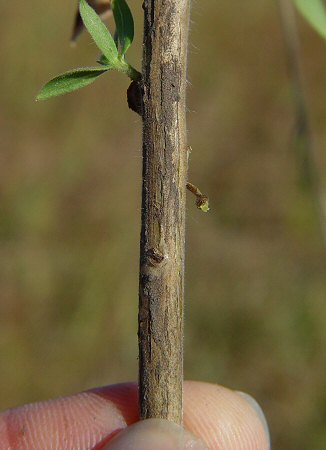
(70, 176)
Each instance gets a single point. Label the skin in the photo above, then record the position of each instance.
(215, 418)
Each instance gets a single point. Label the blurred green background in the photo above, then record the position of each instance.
(70, 180)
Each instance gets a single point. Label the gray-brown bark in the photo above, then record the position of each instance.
(163, 209)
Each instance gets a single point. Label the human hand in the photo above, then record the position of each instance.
(103, 418)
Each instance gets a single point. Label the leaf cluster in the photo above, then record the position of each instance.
(113, 51)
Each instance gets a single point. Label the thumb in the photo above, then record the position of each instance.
(155, 433)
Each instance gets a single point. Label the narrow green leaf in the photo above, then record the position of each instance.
(116, 38)
(314, 11)
(103, 61)
(124, 22)
(99, 32)
(70, 81)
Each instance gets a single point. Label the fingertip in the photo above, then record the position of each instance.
(223, 419)
(163, 434)
(258, 410)
(81, 421)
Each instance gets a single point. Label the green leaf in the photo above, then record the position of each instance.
(314, 11)
(124, 22)
(103, 61)
(99, 32)
(116, 38)
(70, 81)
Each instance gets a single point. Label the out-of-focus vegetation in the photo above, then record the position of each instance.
(70, 178)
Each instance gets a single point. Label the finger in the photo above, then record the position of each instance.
(82, 421)
(224, 419)
(220, 417)
(166, 436)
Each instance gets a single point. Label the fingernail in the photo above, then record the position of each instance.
(164, 435)
(256, 407)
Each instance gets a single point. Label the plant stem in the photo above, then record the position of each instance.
(162, 247)
(124, 67)
(304, 139)
(133, 74)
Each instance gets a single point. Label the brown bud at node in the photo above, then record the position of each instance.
(135, 97)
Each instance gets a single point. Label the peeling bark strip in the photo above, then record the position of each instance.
(163, 209)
